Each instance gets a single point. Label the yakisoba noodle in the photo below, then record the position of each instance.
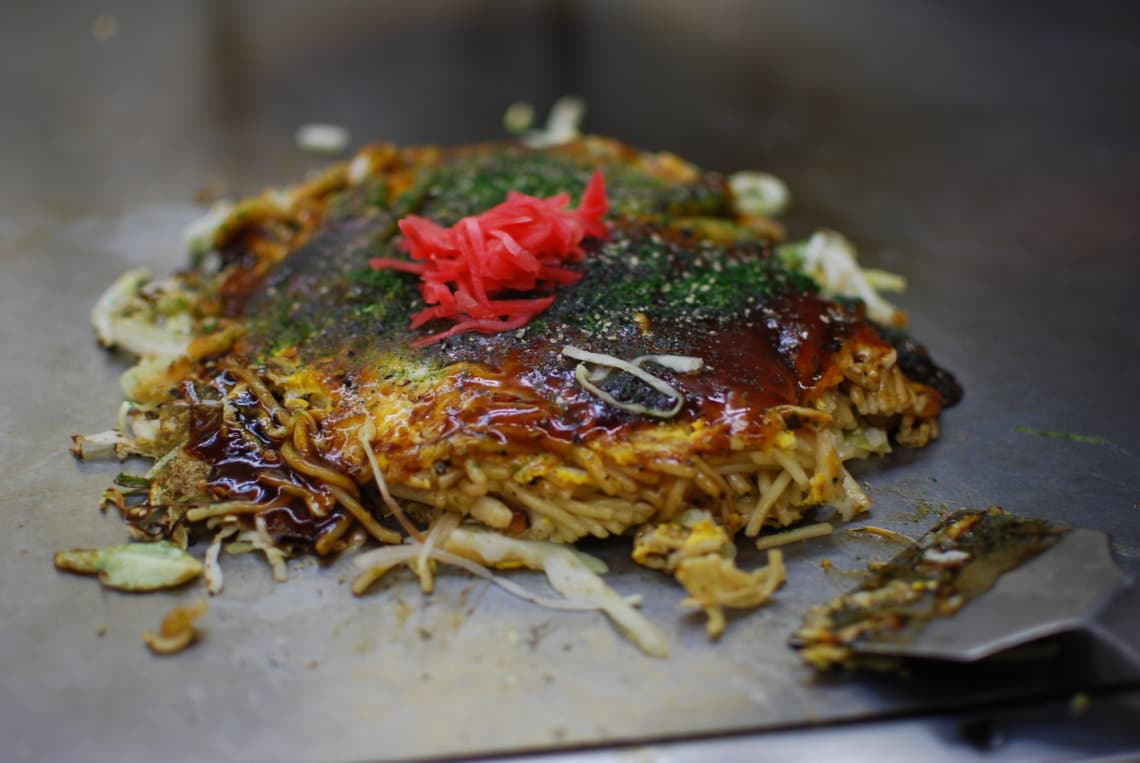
(699, 381)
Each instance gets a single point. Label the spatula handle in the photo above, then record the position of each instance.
(1118, 625)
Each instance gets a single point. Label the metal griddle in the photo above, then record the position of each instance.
(989, 153)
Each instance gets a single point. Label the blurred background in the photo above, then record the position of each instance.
(143, 101)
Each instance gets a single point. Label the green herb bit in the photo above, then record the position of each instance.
(1069, 436)
(122, 479)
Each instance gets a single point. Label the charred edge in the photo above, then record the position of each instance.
(916, 363)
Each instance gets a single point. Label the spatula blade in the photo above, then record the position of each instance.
(980, 582)
(1059, 591)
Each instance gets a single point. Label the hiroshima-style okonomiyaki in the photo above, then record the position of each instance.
(478, 356)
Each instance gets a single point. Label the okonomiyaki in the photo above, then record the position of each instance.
(479, 356)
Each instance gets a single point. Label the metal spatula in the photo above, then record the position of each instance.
(980, 582)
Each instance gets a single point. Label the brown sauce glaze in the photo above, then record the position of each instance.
(241, 456)
(780, 356)
(293, 524)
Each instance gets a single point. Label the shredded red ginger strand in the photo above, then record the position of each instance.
(516, 247)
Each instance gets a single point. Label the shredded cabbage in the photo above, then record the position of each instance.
(122, 317)
(561, 125)
(198, 237)
(758, 193)
(830, 259)
(589, 379)
(321, 138)
(566, 569)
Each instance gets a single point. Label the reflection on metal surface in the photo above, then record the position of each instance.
(1093, 728)
(990, 154)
